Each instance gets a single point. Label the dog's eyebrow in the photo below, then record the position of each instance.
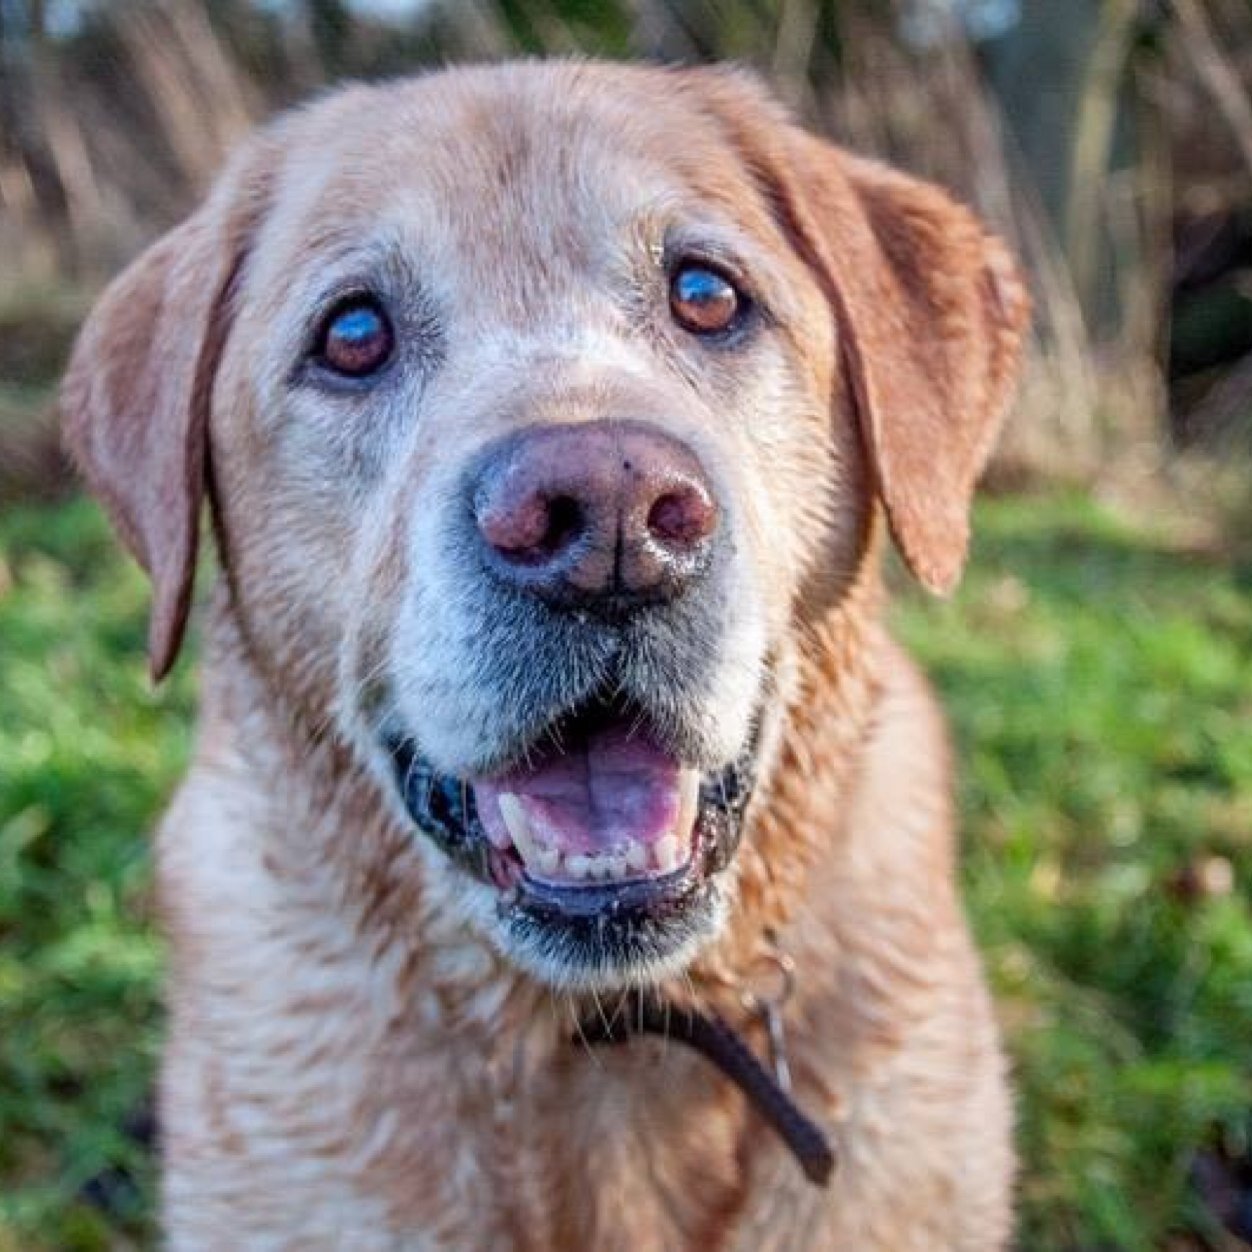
(386, 258)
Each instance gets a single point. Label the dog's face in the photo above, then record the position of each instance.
(542, 404)
(537, 444)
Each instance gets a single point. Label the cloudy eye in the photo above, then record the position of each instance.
(355, 339)
(704, 301)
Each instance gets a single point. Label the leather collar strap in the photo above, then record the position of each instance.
(644, 1013)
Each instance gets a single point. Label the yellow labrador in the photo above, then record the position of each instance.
(551, 419)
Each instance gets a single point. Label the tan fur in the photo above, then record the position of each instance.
(352, 1062)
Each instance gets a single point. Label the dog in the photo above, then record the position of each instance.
(553, 419)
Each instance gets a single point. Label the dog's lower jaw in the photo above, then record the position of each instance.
(473, 914)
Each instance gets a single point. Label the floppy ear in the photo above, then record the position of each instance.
(135, 399)
(930, 309)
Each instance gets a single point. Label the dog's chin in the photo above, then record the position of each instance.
(582, 955)
(597, 859)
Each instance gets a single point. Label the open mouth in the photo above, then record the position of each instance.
(601, 842)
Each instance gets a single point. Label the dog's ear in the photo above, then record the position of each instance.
(930, 309)
(135, 399)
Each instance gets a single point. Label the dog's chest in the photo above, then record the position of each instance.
(639, 1149)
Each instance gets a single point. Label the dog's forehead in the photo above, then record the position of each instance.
(521, 128)
(513, 170)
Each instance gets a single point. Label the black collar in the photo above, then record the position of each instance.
(710, 1035)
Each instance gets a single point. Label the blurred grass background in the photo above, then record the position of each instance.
(1097, 663)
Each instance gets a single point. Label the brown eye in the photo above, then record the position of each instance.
(356, 338)
(702, 301)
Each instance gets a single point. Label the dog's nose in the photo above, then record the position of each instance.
(611, 514)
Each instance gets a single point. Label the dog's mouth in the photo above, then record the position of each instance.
(600, 840)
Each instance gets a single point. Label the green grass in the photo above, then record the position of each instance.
(1100, 685)
(87, 755)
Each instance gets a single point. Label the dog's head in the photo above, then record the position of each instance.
(539, 406)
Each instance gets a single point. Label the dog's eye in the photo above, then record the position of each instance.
(704, 301)
(356, 338)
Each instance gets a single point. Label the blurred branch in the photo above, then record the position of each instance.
(793, 47)
(1093, 140)
(1217, 73)
(202, 100)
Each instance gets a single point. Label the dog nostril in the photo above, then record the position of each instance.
(533, 529)
(681, 517)
(514, 530)
(566, 521)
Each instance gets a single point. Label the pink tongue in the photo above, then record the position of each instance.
(615, 786)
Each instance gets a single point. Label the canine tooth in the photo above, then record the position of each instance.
(501, 839)
(688, 803)
(636, 855)
(519, 826)
(578, 866)
(547, 860)
(666, 852)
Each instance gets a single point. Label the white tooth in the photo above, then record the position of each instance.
(688, 803)
(617, 864)
(578, 866)
(502, 839)
(636, 855)
(548, 861)
(515, 819)
(666, 852)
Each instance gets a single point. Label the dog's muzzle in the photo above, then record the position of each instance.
(600, 543)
